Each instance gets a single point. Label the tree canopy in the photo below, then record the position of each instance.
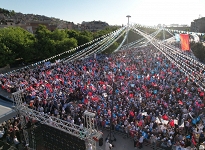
(199, 51)
(19, 46)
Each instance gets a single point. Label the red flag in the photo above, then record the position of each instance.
(140, 123)
(180, 102)
(193, 141)
(165, 117)
(185, 42)
(86, 101)
(90, 93)
(201, 94)
(171, 123)
(132, 113)
(95, 98)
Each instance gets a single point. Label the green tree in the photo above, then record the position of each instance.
(12, 13)
(65, 45)
(82, 39)
(112, 48)
(73, 34)
(88, 34)
(58, 35)
(6, 56)
(17, 42)
(45, 46)
(198, 50)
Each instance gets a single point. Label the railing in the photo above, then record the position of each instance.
(6, 98)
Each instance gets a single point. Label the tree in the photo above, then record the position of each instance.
(12, 13)
(45, 47)
(58, 35)
(17, 42)
(112, 48)
(73, 34)
(6, 56)
(65, 45)
(88, 34)
(198, 50)
(82, 39)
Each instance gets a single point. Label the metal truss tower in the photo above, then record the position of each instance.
(89, 134)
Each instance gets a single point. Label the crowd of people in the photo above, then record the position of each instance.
(11, 133)
(152, 100)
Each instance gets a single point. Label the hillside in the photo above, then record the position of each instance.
(20, 18)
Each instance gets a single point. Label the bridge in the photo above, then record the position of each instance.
(185, 62)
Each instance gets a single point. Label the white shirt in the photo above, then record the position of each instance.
(16, 141)
(141, 139)
(72, 121)
(81, 126)
(151, 124)
(187, 124)
(2, 134)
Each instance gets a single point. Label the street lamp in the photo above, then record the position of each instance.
(128, 16)
(111, 134)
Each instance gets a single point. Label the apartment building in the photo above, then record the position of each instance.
(198, 25)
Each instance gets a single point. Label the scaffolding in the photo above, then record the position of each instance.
(89, 134)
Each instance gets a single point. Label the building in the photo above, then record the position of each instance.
(30, 22)
(93, 25)
(198, 25)
(180, 28)
(31, 26)
(65, 25)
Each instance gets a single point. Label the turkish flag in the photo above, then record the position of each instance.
(180, 102)
(165, 117)
(132, 113)
(185, 42)
(171, 123)
(90, 93)
(86, 101)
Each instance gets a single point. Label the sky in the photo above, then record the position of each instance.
(114, 12)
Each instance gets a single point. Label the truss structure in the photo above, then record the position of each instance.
(88, 134)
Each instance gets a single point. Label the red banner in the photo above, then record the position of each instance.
(185, 42)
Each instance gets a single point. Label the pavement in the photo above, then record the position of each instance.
(6, 111)
(121, 142)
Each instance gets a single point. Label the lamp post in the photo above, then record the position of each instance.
(110, 135)
(163, 32)
(128, 16)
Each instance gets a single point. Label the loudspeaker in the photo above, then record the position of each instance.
(101, 142)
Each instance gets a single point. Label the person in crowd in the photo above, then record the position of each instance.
(141, 139)
(151, 96)
(2, 132)
(16, 142)
(135, 141)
